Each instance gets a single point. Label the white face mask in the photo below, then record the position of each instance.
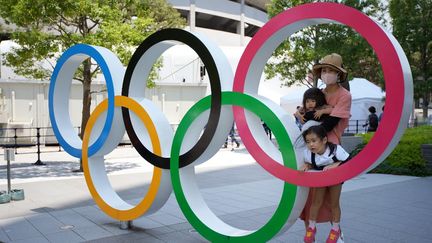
(329, 78)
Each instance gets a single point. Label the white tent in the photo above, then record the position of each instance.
(272, 89)
(293, 99)
(364, 94)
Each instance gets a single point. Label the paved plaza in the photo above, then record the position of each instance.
(59, 208)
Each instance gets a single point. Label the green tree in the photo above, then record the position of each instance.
(412, 26)
(47, 27)
(293, 59)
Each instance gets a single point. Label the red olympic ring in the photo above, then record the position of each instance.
(397, 77)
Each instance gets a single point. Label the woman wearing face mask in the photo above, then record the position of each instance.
(332, 73)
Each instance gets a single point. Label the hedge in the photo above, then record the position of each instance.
(406, 158)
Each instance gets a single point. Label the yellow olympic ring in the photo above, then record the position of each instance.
(123, 211)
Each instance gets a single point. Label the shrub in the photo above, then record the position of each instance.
(406, 158)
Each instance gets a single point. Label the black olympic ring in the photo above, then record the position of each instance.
(195, 43)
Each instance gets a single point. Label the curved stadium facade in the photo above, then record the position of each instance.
(242, 18)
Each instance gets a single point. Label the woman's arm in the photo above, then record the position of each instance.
(340, 111)
(325, 110)
(330, 122)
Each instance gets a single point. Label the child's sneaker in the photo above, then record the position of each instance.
(334, 236)
(310, 235)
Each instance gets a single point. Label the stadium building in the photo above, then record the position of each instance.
(231, 24)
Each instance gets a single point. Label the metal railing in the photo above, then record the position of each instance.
(18, 137)
(21, 137)
(356, 126)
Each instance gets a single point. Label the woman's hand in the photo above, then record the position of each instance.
(319, 113)
(331, 166)
(324, 110)
(305, 167)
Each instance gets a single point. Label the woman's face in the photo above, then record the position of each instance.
(310, 104)
(315, 144)
(329, 76)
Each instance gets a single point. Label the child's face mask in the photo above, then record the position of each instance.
(329, 78)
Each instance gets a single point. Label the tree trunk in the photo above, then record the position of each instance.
(86, 99)
(425, 90)
(425, 105)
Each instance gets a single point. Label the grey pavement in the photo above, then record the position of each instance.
(59, 208)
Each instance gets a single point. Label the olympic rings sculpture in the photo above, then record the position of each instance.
(174, 155)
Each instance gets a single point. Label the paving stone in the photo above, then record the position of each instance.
(193, 233)
(165, 219)
(159, 230)
(364, 236)
(45, 223)
(93, 232)
(288, 237)
(178, 237)
(64, 236)
(39, 239)
(146, 223)
(114, 228)
(22, 229)
(3, 236)
(244, 197)
(126, 238)
(96, 216)
(70, 217)
(182, 226)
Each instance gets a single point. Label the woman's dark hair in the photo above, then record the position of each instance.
(314, 94)
(318, 130)
(372, 109)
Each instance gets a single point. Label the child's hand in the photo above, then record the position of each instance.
(329, 167)
(305, 167)
(299, 116)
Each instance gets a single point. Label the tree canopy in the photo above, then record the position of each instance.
(46, 28)
(412, 26)
(294, 58)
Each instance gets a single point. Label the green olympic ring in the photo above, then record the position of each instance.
(194, 216)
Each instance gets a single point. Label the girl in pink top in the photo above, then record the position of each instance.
(339, 99)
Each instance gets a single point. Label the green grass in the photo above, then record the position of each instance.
(406, 158)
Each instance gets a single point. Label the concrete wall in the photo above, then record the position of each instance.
(175, 100)
(31, 106)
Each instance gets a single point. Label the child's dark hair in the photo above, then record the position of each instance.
(372, 109)
(314, 94)
(321, 134)
(318, 130)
